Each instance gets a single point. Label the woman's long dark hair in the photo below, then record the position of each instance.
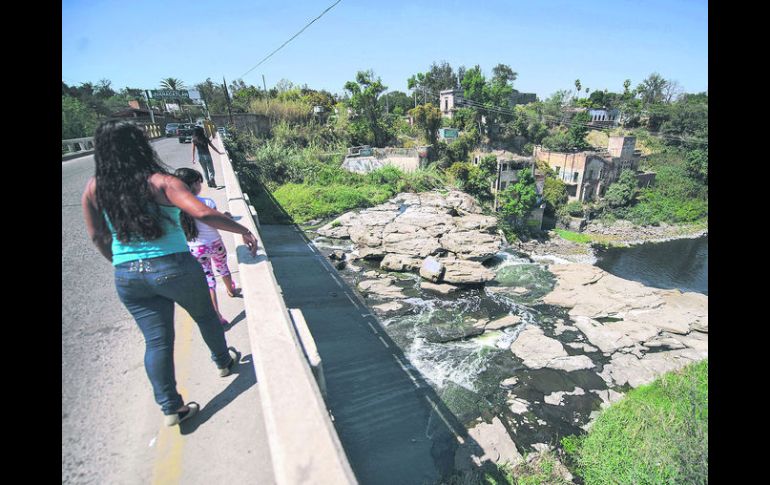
(190, 177)
(199, 137)
(124, 162)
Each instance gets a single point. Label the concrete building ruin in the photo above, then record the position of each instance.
(587, 174)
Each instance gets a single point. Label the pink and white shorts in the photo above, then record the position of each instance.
(206, 253)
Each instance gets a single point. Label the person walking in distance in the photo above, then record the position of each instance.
(205, 242)
(131, 208)
(202, 143)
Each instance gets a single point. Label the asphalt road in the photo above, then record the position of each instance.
(111, 427)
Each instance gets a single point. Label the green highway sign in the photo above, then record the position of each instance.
(169, 93)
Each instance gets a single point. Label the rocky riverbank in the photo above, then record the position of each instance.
(521, 352)
(625, 233)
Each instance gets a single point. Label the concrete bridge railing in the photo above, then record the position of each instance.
(304, 445)
(78, 147)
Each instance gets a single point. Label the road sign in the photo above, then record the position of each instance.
(169, 93)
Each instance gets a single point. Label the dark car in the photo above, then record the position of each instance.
(185, 132)
(171, 129)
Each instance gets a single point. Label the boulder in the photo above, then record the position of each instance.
(557, 398)
(510, 382)
(382, 287)
(366, 236)
(388, 308)
(466, 272)
(474, 246)
(419, 243)
(538, 351)
(475, 222)
(370, 253)
(443, 289)
(400, 262)
(462, 202)
(432, 269)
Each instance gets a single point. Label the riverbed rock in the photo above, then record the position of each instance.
(538, 351)
(612, 336)
(443, 328)
(581, 346)
(443, 288)
(608, 396)
(475, 246)
(629, 369)
(495, 445)
(419, 243)
(388, 308)
(504, 322)
(510, 382)
(432, 269)
(557, 398)
(400, 262)
(457, 271)
(517, 405)
(381, 287)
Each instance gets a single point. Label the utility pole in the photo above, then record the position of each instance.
(267, 96)
(227, 97)
(147, 97)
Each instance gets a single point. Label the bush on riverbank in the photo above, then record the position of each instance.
(658, 433)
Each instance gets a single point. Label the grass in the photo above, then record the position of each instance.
(658, 433)
(576, 237)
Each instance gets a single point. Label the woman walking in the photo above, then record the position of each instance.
(131, 208)
(202, 143)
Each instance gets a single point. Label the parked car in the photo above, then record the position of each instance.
(222, 132)
(171, 129)
(185, 132)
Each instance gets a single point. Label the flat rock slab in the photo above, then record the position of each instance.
(382, 287)
(443, 288)
(629, 369)
(495, 443)
(506, 321)
(612, 336)
(538, 351)
(557, 398)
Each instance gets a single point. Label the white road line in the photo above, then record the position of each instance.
(372, 327)
(441, 415)
(383, 341)
(352, 301)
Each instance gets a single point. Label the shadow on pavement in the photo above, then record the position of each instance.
(244, 379)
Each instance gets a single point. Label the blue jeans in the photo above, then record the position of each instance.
(207, 163)
(148, 288)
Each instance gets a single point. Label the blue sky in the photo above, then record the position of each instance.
(549, 43)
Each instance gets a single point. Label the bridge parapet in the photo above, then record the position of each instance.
(304, 445)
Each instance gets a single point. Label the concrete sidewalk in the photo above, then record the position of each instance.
(227, 441)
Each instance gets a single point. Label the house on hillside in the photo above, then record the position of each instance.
(587, 174)
(451, 99)
(509, 165)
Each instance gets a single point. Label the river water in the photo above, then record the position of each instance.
(681, 263)
(467, 372)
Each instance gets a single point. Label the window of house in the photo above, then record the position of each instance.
(557, 170)
(505, 167)
(446, 105)
(575, 177)
(503, 185)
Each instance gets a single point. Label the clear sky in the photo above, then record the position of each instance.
(549, 43)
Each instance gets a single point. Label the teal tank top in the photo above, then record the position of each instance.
(172, 241)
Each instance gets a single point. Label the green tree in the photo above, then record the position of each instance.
(697, 165)
(77, 119)
(367, 122)
(519, 199)
(652, 90)
(622, 192)
(578, 130)
(554, 194)
(428, 118)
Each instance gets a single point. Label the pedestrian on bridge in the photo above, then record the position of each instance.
(131, 208)
(202, 143)
(205, 242)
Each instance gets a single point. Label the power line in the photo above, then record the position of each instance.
(295, 35)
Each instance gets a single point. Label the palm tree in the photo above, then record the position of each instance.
(172, 83)
(577, 86)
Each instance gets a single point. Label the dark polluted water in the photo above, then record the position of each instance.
(681, 263)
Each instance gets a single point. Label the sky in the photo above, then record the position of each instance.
(549, 43)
